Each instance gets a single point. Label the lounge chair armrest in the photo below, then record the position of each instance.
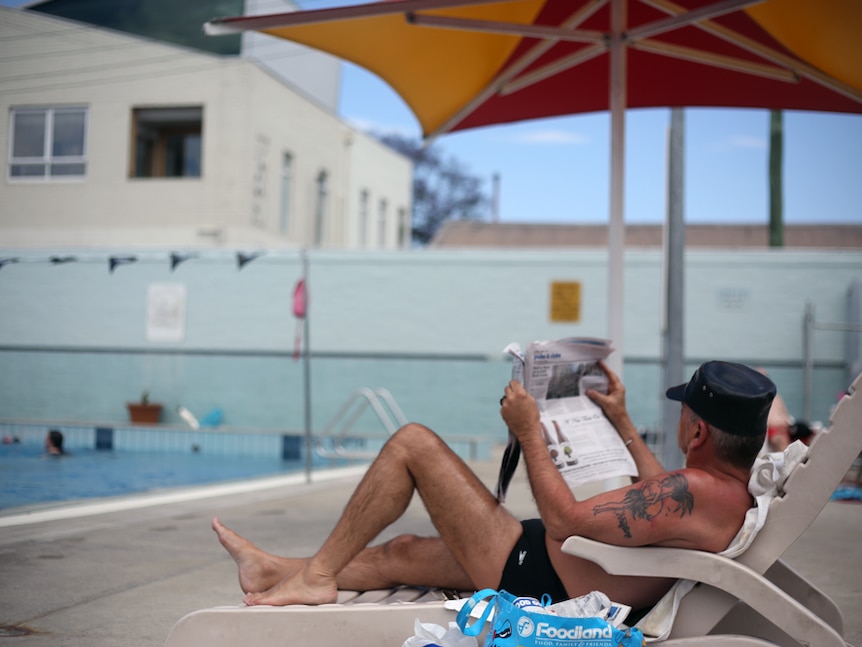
(642, 561)
(715, 570)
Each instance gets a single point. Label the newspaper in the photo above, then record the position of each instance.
(582, 442)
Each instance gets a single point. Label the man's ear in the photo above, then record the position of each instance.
(700, 435)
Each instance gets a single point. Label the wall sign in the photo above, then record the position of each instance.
(565, 301)
(166, 312)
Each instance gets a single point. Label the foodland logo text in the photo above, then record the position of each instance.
(544, 630)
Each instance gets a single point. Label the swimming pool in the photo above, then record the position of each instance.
(28, 476)
(115, 460)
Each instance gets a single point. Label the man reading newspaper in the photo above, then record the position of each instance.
(582, 442)
(481, 545)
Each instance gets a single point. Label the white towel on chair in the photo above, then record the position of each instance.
(768, 475)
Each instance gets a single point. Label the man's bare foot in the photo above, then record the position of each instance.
(304, 587)
(258, 570)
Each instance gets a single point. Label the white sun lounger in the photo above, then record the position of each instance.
(756, 594)
(738, 602)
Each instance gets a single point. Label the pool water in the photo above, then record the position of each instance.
(28, 476)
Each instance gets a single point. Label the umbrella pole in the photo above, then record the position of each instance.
(616, 226)
(674, 267)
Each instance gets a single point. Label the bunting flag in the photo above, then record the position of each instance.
(300, 306)
(244, 259)
(176, 259)
(116, 261)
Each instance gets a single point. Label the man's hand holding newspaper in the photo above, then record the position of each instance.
(582, 442)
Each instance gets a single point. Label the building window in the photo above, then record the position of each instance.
(286, 192)
(363, 218)
(320, 207)
(381, 224)
(167, 142)
(48, 143)
(402, 227)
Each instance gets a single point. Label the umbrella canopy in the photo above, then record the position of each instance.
(463, 64)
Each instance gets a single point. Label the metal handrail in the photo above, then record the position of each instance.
(810, 325)
(364, 397)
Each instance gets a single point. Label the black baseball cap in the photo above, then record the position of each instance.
(733, 397)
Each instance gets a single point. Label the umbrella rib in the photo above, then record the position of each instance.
(767, 53)
(514, 29)
(517, 66)
(797, 66)
(715, 60)
(222, 26)
(687, 18)
(551, 69)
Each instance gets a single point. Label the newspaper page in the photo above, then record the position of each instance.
(582, 442)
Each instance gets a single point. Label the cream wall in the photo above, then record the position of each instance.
(277, 122)
(374, 169)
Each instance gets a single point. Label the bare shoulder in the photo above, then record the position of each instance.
(718, 507)
(688, 508)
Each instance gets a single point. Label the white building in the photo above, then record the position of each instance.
(118, 140)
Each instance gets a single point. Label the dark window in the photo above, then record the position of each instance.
(167, 142)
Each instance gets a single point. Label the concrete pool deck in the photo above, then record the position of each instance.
(124, 573)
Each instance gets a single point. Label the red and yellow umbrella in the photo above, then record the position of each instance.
(465, 64)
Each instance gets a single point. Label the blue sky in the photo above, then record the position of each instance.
(558, 170)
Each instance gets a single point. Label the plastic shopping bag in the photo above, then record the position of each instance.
(431, 635)
(519, 624)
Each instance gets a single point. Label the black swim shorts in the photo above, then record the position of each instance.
(528, 569)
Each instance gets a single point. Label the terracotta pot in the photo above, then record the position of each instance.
(141, 414)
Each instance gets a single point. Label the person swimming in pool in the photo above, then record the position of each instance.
(54, 443)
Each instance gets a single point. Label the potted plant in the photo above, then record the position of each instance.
(144, 411)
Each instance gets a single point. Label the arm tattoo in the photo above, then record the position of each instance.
(652, 498)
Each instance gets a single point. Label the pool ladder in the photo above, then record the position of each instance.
(381, 402)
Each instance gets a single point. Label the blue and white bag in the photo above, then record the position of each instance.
(518, 624)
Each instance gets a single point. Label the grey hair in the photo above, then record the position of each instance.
(738, 451)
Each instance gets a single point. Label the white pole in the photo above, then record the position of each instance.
(674, 245)
(616, 225)
(495, 197)
(807, 359)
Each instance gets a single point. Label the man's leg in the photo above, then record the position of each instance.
(406, 559)
(476, 530)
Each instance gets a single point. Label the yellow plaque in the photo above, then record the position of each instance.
(565, 301)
